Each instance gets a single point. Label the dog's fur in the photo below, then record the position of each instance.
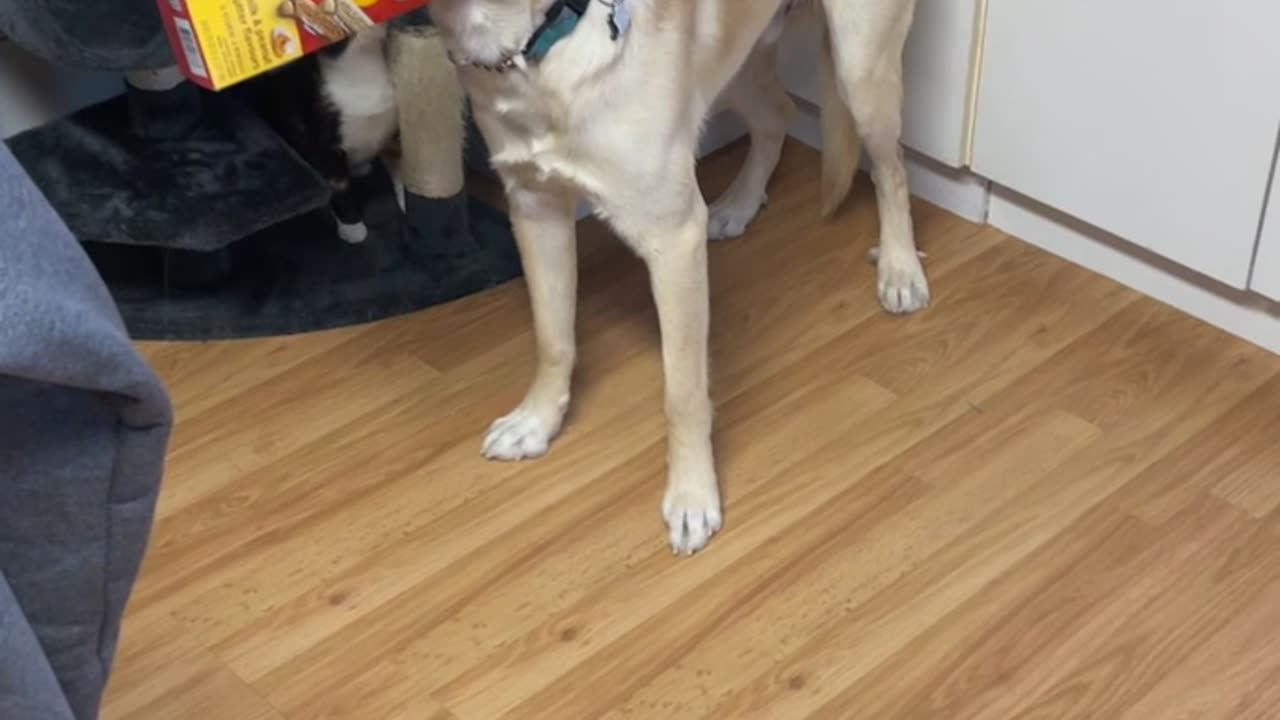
(617, 123)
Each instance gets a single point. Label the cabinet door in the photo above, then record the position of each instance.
(1150, 119)
(938, 67)
(1266, 265)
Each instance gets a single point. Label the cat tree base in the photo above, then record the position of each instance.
(205, 225)
(148, 168)
(297, 277)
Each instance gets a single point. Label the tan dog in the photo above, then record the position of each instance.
(607, 105)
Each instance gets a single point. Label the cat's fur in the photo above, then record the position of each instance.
(337, 109)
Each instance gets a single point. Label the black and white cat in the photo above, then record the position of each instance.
(337, 109)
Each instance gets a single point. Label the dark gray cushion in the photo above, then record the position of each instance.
(29, 689)
(115, 35)
(84, 426)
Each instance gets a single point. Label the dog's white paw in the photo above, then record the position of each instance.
(693, 515)
(518, 436)
(729, 216)
(902, 286)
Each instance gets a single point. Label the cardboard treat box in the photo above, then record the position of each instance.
(219, 43)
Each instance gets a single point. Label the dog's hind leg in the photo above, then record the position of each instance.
(867, 40)
(757, 95)
(543, 222)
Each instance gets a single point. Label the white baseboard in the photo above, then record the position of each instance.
(1245, 315)
(957, 191)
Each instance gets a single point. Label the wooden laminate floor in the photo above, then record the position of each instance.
(1044, 497)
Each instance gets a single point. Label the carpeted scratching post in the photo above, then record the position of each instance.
(431, 166)
(430, 100)
(162, 104)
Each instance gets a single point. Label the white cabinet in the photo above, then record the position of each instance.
(939, 66)
(940, 70)
(1154, 120)
(1266, 264)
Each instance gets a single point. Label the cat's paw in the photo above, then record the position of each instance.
(354, 233)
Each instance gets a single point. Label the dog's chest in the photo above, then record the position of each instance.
(526, 127)
(773, 33)
(359, 86)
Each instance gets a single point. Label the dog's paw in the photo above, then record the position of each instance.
(693, 515)
(520, 435)
(902, 286)
(729, 216)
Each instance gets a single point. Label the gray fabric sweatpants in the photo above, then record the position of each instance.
(84, 428)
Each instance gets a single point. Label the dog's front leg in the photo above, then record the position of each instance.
(678, 272)
(543, 222)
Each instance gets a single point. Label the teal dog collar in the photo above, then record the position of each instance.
(560, 21)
